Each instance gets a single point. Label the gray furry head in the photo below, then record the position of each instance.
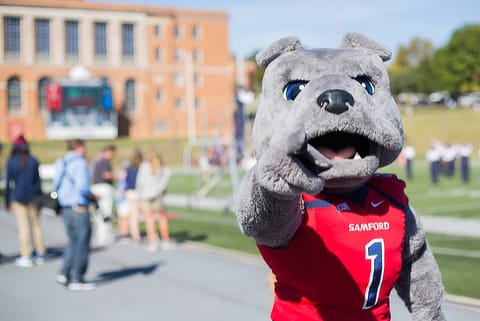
(339, 97)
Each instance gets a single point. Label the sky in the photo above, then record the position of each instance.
(321, 23)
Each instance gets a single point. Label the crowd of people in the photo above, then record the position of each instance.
(444, 160)
(91, 198)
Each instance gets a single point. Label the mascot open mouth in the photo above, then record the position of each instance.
(342, 145)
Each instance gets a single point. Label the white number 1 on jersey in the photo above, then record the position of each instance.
(375, 252)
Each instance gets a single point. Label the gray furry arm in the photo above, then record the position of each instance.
(270, 219)
(420, 284)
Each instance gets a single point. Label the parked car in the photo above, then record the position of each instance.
(469, 100)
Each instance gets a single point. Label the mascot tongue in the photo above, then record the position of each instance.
(342, 153)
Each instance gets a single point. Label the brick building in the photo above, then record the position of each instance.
(166, 66)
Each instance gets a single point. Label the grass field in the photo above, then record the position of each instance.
(450, 197)
(422, 127)
(447, 125)
(459, 271)
(48, 151)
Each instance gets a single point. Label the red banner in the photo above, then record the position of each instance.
(54, 97)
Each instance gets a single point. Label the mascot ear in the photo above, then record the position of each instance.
(356, 40)
(279, 47)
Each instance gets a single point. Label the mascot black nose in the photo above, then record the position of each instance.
(335, 101)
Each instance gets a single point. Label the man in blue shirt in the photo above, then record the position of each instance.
(72, 181)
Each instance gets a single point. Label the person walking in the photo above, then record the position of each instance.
(131, 195)
(72, 183)
(102, 188)
(103, 178)
(433, 157)
(152, 181)
(121, 203)
(23, 188)
(409, 154)
(465, 152)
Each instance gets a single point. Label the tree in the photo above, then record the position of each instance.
(404, 68)
(458, 63)
(409, 57)
(426, 76)
(403, 81)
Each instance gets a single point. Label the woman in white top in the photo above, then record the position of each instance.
(152, 181)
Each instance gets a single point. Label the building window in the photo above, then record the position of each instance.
(178, 55)
(178, 80)
(197, 80)
(100, 39)
(158, 31)
(179, 103)
(158, 54)
(197, 56)
(159, 95)
(14, 95)
(128, 41)
(129, 96)
(196, 32)
(42, 92)
(42, 38)
(198, 102)
(71, 39)
(11, 27)
(105, 81)
(178, 32)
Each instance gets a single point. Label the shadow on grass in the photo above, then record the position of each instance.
(111, 276)
(183, 236)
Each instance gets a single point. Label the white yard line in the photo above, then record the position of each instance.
(451, 225)
(456, 252)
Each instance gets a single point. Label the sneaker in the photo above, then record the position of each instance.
(40, 259)
(61, 279)
(81, 286)
(168, 245)
(24, 261)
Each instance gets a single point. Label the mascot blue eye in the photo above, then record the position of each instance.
(293, 88)
(367, 84)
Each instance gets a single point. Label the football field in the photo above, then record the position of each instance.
(458, 256)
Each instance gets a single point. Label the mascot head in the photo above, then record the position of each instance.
(341, 100)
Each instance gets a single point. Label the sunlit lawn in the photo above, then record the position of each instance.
(460, 274)
(450, 197)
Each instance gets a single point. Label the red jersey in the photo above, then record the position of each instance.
(344, 259)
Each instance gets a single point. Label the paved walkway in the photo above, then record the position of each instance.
(192, 282)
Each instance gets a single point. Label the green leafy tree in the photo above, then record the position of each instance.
(426, 76)
(410, 56)
(402, 81)
(404, 68)
(458, 63)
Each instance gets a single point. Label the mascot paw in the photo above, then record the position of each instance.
(291, 166)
